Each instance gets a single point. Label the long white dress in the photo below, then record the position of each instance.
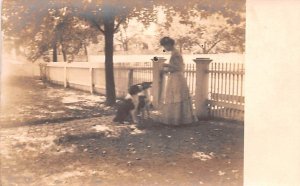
(175, 103)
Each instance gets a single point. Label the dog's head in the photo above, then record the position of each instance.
(146, 85)
(137, 88)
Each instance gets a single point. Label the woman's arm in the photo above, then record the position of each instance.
(175, 64)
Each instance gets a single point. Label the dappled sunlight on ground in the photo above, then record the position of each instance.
(93, 150)
(96, 150)
(30, 101)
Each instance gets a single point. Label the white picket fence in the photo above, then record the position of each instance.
(225, 97)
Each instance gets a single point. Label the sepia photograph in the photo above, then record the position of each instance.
(122, 92)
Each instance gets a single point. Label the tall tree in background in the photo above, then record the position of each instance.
(215, 34)
(205, 35)
(42, 26)
(20, 25)
(178, 29)
(127, 34)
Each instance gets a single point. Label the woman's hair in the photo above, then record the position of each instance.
(167, 41)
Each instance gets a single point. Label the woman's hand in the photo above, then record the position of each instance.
(169, 68)
(166, 65)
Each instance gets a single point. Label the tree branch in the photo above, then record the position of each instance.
(199, 44)
(220, 32)
(101, 30)
(212, 46)
(119, 23)
(95, 24)
(119, 39)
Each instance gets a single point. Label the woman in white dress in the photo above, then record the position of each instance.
(175, 104)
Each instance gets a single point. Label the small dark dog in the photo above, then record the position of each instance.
(134, 102)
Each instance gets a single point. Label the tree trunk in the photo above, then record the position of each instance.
(54, 56)
(62, 48)
(204, 48)
(64, 54)
(85, 52)
(126, 46)
(109, 70)
(180, 47)
(17, 49)
(85, 49)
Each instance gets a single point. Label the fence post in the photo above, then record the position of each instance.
(130, 77)
(202, 83)
(91, 80)
(156, 84)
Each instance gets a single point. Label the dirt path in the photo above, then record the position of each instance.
(95, 151)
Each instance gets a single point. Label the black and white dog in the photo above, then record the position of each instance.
(136, 102)
(144, 103)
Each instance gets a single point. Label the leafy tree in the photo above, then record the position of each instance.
(19, 24)
(215, 33)
(43, 26)
(73, 35)
(22, 19)
(128, 33)
(207, 34)
(183, 33)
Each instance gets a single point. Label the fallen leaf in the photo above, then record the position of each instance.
(141, 169)
(221, 173)
(202, 156)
